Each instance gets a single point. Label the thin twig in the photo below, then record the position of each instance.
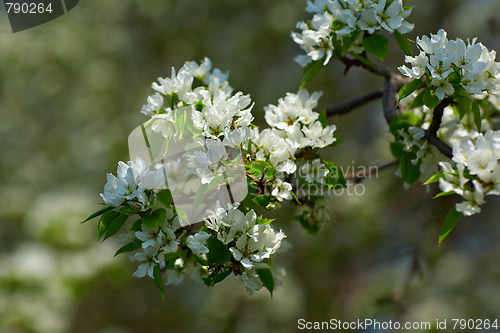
(378, 70)
(348, 106)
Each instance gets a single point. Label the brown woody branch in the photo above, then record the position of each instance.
(431, 133)
(348, 106)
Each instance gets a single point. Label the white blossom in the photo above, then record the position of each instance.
(282, 190)
(445, 61)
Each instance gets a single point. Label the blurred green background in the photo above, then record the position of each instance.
(70, 93)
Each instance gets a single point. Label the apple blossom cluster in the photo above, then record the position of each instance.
(454, 67)
(134, 183)
(477, 171)
(293, 126)
(452, 129)
(251, 242)
(337, 22)
(206, 128)
(217, 111)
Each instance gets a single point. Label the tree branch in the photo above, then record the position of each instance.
(431, 133)
(378, 70)
(348, 106)
(444, 148)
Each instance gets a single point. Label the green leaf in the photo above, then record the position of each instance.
(257, 167)
(477, 115)
(449, 223)
(335, 175)
(180, 121)
(264, 221)
(155, 219)
(311, 227)
(430, 99)
(98, 213)
(397, 124)
(200, 261)
(435, 178)
(410, 172)
(165, 197)
(158, 281)
(181, 213)
(348, 40)
(295, 197)
(200, 195)
(105, 221)
(463, 106)
(221, 276)
(362, 59)
(262, 200)
(116, 225)
(323, 118)
(137, 226)
(128, 210)
(266, 276)
(408, 89)
(443, 194)
(310, 70)
(170, 258)
(218, 252)
(135, 245)
(404, 43)
(160, 215)
(410, 117)
(419, 99)
(377, 45)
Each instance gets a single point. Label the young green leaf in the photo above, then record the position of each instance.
(98, 213)
(419, 99)
(221, 276)
(264, 221)
(310, 70)
(116, 225)
(430, 99)
(135, 245)
(408, 89)
(377, 45)
(201, 192)
(323, 119)
(158, 281)
(180, 121)
(477, 115)
(443, 194)
(348, 40)
(463, 106)
(105, 221)
(218, 252)
(410, 172)
(261, 200)
(435, 178)
(404, 43)
(155, 219)
(449, 223)
(165, 197)
(266, 276)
